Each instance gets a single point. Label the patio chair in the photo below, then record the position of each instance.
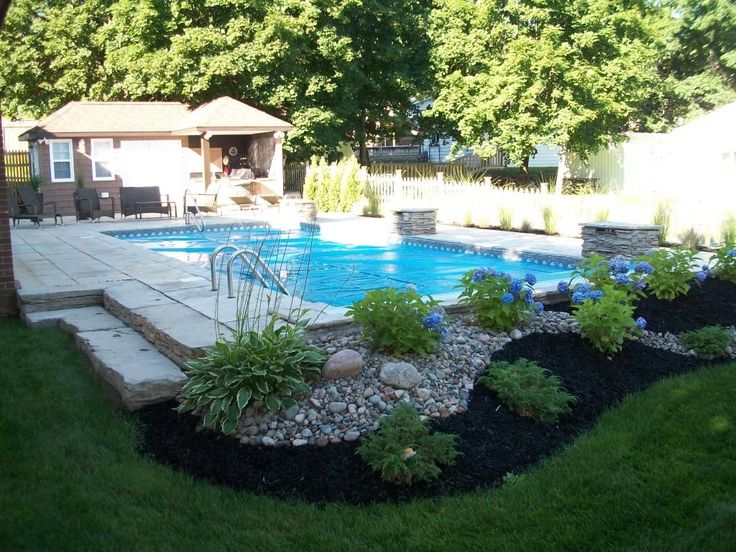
(144, 199)
(87, 205)
(204, 202)
(33, 205)
(18, 214)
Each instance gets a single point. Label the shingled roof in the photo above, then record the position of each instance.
(221, 116)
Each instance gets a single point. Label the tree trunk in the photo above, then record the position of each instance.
(525, 166)
(561, 170)
(363, 156)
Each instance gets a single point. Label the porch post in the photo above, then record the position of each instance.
(276, 172)
(7, 276)
(204, 143)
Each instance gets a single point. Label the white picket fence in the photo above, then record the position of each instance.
(480, 204)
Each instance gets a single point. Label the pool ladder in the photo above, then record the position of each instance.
(244, 254)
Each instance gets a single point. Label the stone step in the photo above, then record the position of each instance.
(30, 300)
(138, 372)
(131, 365)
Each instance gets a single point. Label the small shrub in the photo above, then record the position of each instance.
(373, 199)
(722, 264)
(728, 230)
(709, 342)
(528, 389)
(605, 317)
(80, 182)
(691, 239)
(599, 272)
(468, 220)
(399, 321)
(504, 219)
(550, 221)
(662, 218)
(673, 272)
(500, 302)
(404, 451)
(602, 215)
(269, 366)
(526, 225)
(35, 182)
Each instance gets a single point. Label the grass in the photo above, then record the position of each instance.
(658, 472)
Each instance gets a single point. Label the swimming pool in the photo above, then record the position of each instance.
(328, 271)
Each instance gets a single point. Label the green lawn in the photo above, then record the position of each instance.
(657, 473)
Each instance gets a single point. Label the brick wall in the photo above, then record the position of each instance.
(8, 305)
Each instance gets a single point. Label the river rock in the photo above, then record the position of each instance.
(400, 374)
(343, 364)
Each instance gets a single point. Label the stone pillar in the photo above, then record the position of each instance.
(413, 222)
(276, 171)
(609, 239)
(8, 305)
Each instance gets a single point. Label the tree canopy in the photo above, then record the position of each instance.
(507, 74)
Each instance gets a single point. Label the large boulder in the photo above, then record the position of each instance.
(400, 374)
(343, 364)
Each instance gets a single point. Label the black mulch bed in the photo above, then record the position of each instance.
(493, 441)
(709, 303)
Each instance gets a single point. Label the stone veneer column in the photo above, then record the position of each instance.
(8, 305)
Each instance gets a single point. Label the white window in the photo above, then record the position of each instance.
(35, 164)
(62, 166)
(102, 165)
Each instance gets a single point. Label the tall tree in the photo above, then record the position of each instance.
(517, 73)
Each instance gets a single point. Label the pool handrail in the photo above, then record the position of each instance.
(242, 253)
(213, 257)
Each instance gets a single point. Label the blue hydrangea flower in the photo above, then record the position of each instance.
(506, 275)
(579, 296)
(732, 252)
(507, 298)
(480, 274)
(529, 297)
(563, 287)
(443, 331)
(595, 294)
(619, 265)
(582, 287)
(641, 323)
(701, 276)
(432, 321)
(641, 286)
(705, 268)
(516, 287)
(622, 279)
(538, 307)
(643, 268)
(530, 278)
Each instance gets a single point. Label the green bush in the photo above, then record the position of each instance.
(602, 215)
(662, 218)
(673, 272)
(709, 342)
(373, 200)
(269, 366)
(728, 230)
(504, 219)
(599, 272)
(335, 187)
(404, 451)
(528, 389)
(550, 221)
(398, 321)
(499, 302)
(526, 225)
(605, 317)
(723, 263)
(691, 238)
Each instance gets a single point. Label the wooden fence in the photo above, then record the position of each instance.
(17, 166)
(294, 174)
(482, 204)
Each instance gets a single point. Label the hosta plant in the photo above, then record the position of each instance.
(528, 389)
(403, 451)
(606, 318)
(399, 321)
(499, 301)
(673, 272)
(270, 366)
(723, 263)
(709, 342)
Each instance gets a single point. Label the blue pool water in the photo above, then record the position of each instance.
(321, 270)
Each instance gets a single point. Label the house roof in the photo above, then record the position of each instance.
(226, 115)
(221, 116)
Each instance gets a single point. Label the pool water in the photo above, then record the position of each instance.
(321, 270)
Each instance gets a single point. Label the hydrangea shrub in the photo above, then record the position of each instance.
(499, 301)
(400, 321)
(673, 272)
(723, 263)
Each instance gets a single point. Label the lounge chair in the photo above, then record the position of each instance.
(87, 205)
(33, 205)
(205, 202)
(144, 199)
(18, 214)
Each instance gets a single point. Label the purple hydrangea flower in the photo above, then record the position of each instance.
(432, 321)
(516, 287)
(530, 278)
(641, 323)
(701, 276)
(643, 268)
(563, 287)
(507, 298)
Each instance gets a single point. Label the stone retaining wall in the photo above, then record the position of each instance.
(414, 222)
(609, 239)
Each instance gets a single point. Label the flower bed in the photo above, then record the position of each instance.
(493, 440)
